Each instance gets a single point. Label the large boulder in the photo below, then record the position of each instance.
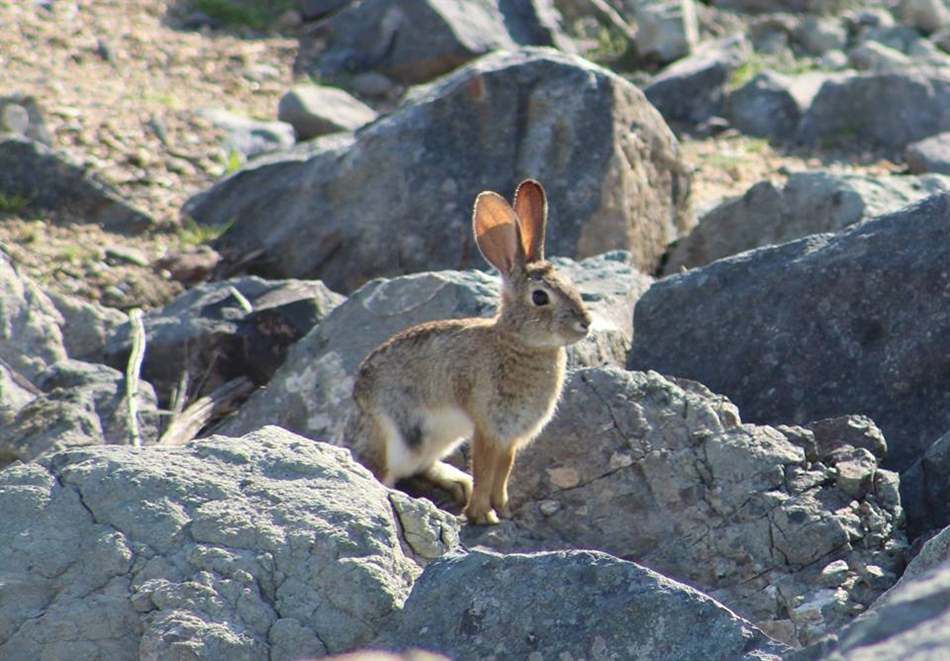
(223, 330)
(46, 180)
(855, 322)
(397, 198)
(771, 104)
(31, 338)
(268, 546)
(925, 489)
(81, 404)
(311, 393)
(889, 109)
(416, 40)
(930, 154)
(663, 472)
(316, 109)
(578, 604)
(810, 203)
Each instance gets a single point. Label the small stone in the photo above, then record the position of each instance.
(834, 574)
(549, 507)
(930, 155)
(127, 254)
(564, 477)
(372, 83)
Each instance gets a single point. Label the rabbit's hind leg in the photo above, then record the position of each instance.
(448, 477)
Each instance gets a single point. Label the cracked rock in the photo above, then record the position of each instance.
(266, 546)
(736, 509)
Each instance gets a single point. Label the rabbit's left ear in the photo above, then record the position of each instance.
(531, 206)
(497, 232)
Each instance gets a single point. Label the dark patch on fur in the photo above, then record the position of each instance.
(412, 435)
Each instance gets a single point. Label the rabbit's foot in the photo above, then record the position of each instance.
(448, 477)
(480, 517)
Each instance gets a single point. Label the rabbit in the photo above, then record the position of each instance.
(429, 388)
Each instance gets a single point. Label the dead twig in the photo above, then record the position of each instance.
(132, 372)
(185, 426)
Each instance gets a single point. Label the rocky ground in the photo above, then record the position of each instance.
(280, 185)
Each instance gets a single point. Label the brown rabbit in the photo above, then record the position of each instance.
(429, 388)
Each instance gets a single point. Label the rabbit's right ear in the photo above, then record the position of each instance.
(531, 205)
(497, 232)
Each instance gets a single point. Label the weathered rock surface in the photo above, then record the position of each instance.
(311, 393)
(208, 332)
(663, 472)
(788, 332)
(771, 105)
(553, 605)
(666, 31)
(81, 404)
(21, 115)
(250, 137)
(810, 203)
(30, 335)
(611, 166)
(416, 40)
(269, 546)
(910, 621)
(925, 487)
(930, 154)
(890, 109)
(316, 109)
(85, 325)
(692, 89)
(15, 393)
(50, 181)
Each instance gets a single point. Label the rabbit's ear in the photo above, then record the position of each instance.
(497, 233)
(531, 205)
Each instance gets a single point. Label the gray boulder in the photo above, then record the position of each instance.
(666, 31)
(693, 89)
(925, 488)
(890, 109)
(414, 41)
(827, 325)
(50, 181)
(578, 604)
(810, 203)
(771, 105)
(250, 137)
(222, 330)
(313, 9)
(31, 338)
(20, 114)
(926, 15)
(315, 110)
(874, 56)
(397, 198)
(85, 325)
(15, 393)
(81, 404)
(311, 393)
(268, 546)
(662, 471)
(820, 35)
(930, 154)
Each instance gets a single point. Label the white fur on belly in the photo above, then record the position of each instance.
(444, 430)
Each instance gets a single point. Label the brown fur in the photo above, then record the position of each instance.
(498, 379)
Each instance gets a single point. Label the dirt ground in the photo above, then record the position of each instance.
(120, 83)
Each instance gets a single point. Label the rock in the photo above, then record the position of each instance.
(15, 393)
(930, 155)
(31, 338)
(855, 431)
(925, 15)
(941, 39)
(371, 83)
(935, 552)
(397, 198)
(760, 6)
(50, 181)
(785, 332)
(314, 110)
(576, 604)
(911, 621)
(810, 203)
(311, 393)
(666, 31)
(250, 137)
(417, 40)
(267, 546)
(692, 89)
(889, 109)
(209, 333)
(85, 325)
(20, 114)
(833, 60)
(873, 56)
(663, 472)
(313, 9)
(190, 265)
(82, 404)
(925, 486)
(771, 105)
(820, 35)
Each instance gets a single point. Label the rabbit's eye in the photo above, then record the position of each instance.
(540, 297)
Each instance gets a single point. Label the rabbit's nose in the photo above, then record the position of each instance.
(582, 325)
